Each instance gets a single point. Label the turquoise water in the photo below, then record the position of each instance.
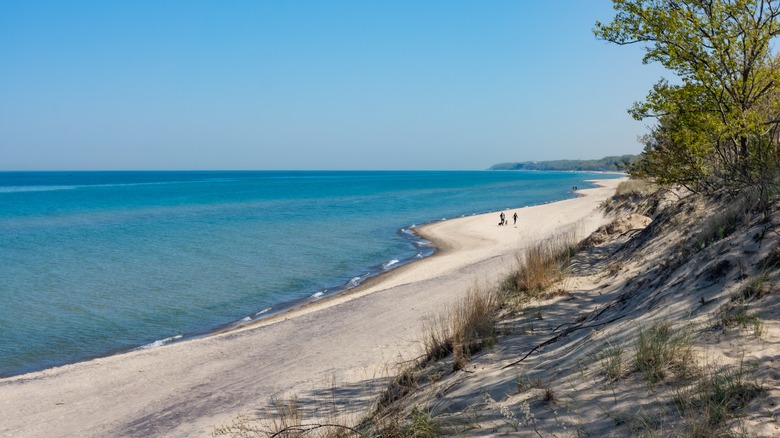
(94, 263)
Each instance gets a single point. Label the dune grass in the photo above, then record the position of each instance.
(543, 264)
(720, 225)
(463, 329)
(716, 397)
(663, 348)
(635, 186)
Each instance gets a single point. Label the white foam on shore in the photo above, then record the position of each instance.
(160, 342)
(266, 310)
(318, 294)
(389, 264)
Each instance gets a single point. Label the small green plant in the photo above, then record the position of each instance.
(421, 425)
(755, 288)
(736, 314)
(662, 348)
(719, 225)
(758, 328)
(525, 383)
(717, 397)
(613, 362)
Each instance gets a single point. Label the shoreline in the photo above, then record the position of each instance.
(186, 388)
(270, 314)
(418, 231)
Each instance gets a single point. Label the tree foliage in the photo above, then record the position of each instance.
(606, 164)
(718, 127)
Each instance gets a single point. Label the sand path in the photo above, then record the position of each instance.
(345, 342)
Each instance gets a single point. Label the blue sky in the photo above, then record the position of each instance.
(312, 84)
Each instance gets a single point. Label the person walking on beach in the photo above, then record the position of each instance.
(502, 219)
(515, 218)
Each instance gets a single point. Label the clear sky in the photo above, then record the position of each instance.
(416, 84)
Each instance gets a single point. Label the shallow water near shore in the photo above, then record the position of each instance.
(95, 263)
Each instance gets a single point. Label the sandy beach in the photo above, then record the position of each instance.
(347, 343)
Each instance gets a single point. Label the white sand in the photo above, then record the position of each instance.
(188, 388)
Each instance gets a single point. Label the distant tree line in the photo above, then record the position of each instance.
(718, 121)
(606, 164)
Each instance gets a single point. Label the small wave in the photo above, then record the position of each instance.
(389, 264)
(160, 342)
(419, 255)
(23, 189)
(318, 294)
(147, 183)
(421, 243)
(355, 281)
(266, 310)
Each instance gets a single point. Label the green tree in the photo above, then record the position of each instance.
(720, 123)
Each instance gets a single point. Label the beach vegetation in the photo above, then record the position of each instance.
(473, 325)
(717, 397)
(635, 186)
(402, 384)
(662, 348)
(614, 362)
(422, 425)
(755, 287)
(287, 420)
(463, 329)
(717, 125)
(549, 395)
(543, 264)
(721, 224)
(736, 314)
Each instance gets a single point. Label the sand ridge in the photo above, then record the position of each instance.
(186, 389)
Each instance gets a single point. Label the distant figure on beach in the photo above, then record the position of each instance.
(502, 219)
(515, 218)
